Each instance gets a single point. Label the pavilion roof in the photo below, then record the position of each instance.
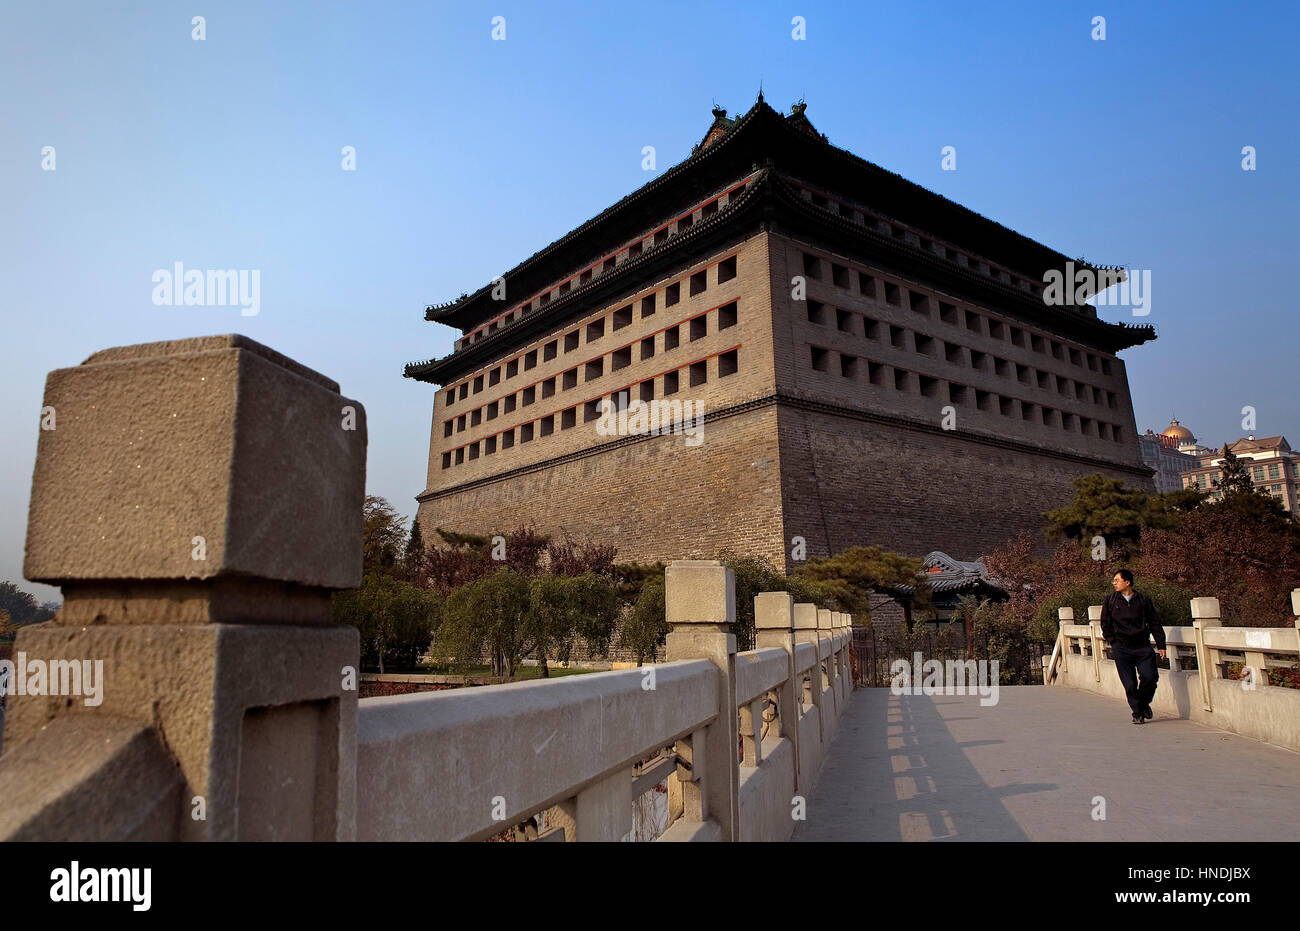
(729, 149)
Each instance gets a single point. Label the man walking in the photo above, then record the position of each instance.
(1128, 622)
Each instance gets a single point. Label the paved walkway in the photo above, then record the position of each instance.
(1028, 768)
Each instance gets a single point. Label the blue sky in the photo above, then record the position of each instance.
(471, 154)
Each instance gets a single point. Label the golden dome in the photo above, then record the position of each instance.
(1177, 431)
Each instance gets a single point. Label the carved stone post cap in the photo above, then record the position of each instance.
(805, 617)
(699, 591)
(1205, 609)
(1094, 613)
(1065, 614)
(191, 462)
(774, 611)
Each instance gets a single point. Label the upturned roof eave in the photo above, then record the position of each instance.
(451, 312)
(434, 371)
(441, 313)
(1114, 336)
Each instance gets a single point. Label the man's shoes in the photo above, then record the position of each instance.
(1148, 714)
(1138, 719)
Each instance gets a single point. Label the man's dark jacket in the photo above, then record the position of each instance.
(1130, 622)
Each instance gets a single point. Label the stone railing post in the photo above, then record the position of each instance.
(1098, 642)
(805, 631)
(824, 633)
(833, 661)
(845, 661)
(1205, 613)
(198, 501)
(700, 607)
(827, 666)
(1295, 611)
(833, 664)
(774, 627)
(841, 654)
(1064, 616)
(848, 662)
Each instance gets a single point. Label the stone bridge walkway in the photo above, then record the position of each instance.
(919, 768)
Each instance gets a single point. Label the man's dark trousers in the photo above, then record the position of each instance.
(1132, 662)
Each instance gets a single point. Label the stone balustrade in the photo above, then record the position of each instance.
(1249, 706)
(198, 501)
(738, 736)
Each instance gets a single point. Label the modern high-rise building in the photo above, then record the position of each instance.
(876, 365)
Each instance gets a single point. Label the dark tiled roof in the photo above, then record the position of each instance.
(768, 132)
(955, 576)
